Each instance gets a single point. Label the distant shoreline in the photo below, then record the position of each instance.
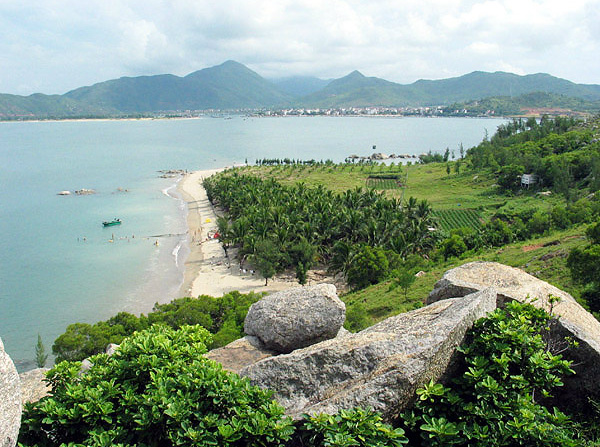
(249, 115)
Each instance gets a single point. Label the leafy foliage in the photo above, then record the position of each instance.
(369, 266)
(156, 390)
(494, 401)
(356, 427)
(223, 316)
(40, 353)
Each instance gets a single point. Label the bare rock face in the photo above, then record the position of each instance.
(33, 387)
(380, 367)
(10, 400)
(240, 353)
(296, 318)
(573, 320)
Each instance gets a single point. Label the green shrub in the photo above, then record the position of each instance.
(156, 390)
(453, 246)
(357, 427)
(222, 316)
(495, 400)
(356, 318)
(369, 266)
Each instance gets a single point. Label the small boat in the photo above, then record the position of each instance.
(111, 223)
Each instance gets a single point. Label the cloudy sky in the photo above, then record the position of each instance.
(52, 46)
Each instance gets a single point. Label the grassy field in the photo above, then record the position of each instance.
(468, 190)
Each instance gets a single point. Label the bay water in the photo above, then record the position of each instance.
(59, 265)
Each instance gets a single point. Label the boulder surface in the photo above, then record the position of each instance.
(296, 318)
(10, 400)
(380, 367)
(33, 386)
(240, 353)
(573, 320)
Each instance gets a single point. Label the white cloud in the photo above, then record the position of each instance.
(55, 45)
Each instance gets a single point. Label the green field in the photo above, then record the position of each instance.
(468, 190)
(451, 219)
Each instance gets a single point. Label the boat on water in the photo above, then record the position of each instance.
(111, 223)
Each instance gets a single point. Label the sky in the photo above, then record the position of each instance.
(53, 46)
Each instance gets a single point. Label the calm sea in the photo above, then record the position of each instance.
(58, 264)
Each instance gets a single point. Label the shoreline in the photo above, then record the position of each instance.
(207, 269)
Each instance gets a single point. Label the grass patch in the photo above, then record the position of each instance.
(469, 190)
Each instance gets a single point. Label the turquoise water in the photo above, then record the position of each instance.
(57, 264)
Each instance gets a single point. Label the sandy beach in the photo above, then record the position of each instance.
(207, 269)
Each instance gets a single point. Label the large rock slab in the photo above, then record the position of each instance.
(380, 367)
(10, 400)
(573, 320)
(240, 353)
(296, 318)
(33, 385)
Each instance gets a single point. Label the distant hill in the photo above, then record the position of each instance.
(299, 86)
(232, 85)
(479, 84)
(528, 103)
(356, 90)
(39, 105)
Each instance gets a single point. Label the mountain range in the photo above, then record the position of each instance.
(231, 86)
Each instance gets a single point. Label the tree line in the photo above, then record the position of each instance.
(563, 153)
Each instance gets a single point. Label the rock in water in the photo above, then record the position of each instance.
(10, 400)
(296, 318)
(573, 320)
(380, 367)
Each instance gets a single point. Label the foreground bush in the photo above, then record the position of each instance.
(156, 390)
(507, 371)
(357, 427)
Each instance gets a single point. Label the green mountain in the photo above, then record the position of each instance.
(299, 86)
(528, 102)
(356, 90)
(479, 84)
(232, 85)
(38, 105)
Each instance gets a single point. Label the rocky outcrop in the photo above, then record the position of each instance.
(573, 320)
(10, 400)
(33, 386)
(296, 318)
(380, 367)
(240, 353)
